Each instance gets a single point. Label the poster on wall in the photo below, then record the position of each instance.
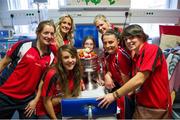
(119, 3)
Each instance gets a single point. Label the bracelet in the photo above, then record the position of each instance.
(116, 94)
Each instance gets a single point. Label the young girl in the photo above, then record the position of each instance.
(62, 80)
(88, 51)
(88, 48)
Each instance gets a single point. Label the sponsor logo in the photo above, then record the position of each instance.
(30, 56)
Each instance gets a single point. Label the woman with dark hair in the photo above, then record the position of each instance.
(118, 70)
(28, 61)
(88, 48)
(89, 43)
(150, 77)
(61, 80)
(89, 51)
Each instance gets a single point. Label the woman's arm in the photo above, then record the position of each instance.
(133, 83)
(129, 86)
(56, 100)
(48, 104)
(4, 62)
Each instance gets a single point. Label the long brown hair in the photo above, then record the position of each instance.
(77, 72)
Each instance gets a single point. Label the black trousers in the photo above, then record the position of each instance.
(8, 106)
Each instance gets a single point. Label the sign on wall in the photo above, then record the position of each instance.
(123, 3)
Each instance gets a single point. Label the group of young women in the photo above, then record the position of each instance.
(148, 82)
(44, 71)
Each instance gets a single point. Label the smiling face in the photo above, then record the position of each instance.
(66, 25)
(134, 43)
(89, 44)
(134, 37)
(110, 43)
(68, 60)
(46, 36)
(102, 26)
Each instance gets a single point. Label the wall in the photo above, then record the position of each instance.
(98, 3)
(85, 15)
(3, 7)
(178, 6)
(23, 17)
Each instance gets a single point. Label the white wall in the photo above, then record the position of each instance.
(86, 17)
(85, 14)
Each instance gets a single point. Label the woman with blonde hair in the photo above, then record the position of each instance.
(64, 30)
(102, 24)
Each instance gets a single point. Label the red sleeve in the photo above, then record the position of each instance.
(151, 58)
(13, 49)
(48, 85)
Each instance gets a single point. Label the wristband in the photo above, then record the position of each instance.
(116, 95)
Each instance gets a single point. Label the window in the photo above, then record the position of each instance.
(29, 4)
(149, 4)
(25, 29)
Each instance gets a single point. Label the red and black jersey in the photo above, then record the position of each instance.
(51, 87)
(154, 93)
(28, 69)
(119, 62)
